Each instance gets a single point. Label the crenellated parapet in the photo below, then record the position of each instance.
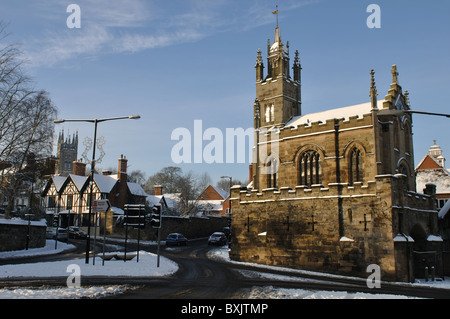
(308, 127)
(316, 191)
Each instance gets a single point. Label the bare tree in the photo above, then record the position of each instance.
(168, 178)
(225, 184)
(137, 176)
(26, 120)
(188, 186)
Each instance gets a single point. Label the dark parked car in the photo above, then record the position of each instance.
(176, 239)
(217, 238)
(76, 232)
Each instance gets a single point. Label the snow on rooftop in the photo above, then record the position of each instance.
(439, 177)
(343, 112)
(117, 211)
(136, 189)
(58, 181)
(78, 180)
(105, 182)
(223, 193)
(172, 200)
(210, 204)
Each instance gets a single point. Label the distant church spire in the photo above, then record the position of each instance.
(66, 153)
(277, 35)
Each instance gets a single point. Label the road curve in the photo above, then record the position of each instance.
(200, 277)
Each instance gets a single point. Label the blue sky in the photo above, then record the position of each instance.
(173, 62)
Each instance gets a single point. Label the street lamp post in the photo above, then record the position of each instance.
(229, 209)
(95, 121)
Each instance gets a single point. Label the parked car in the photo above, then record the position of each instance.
(76, 232)
(176, 239)
(51, 233)
(217, 238)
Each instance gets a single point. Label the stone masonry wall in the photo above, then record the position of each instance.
(302, 228)
(13, 235)
(339, 229)
(190, 227)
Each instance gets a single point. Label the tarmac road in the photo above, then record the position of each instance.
(200, 277)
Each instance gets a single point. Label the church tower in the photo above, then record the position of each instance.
(278, 94)
(66, 154)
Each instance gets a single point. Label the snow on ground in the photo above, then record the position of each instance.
(61, 293)
(270, 292)
(49, 249)
(146, 267)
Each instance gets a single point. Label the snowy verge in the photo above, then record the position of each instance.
(63, 293)
(49, 249)
(146, 267)
(221, 254)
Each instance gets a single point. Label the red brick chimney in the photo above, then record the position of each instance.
(79, 168)
(123, 180)
(158, 190)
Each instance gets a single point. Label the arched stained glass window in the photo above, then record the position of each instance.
(309, 168)
(355, 166)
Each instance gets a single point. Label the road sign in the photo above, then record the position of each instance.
(101, 205)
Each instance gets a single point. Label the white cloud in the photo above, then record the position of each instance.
(135, 25)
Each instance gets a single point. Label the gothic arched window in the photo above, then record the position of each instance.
(355, 166)
(309, 168)
(270, 113)
(272, 173)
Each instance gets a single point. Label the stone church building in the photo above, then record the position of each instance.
(333, 191)
(66, 154)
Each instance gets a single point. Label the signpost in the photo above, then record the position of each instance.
(134, 217)
(100, 206)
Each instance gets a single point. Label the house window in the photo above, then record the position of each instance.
(309, 168)
(51, 202)
(355, 166)
(69, 202)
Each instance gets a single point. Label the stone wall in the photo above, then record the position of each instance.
(13, 234)
(190, 227)
(339, 229)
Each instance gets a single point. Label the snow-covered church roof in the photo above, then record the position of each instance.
(340, 113)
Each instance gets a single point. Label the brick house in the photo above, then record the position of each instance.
(213, 201)
(333, 191)
(432, 170)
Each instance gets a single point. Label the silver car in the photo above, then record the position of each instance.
(51, 233)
